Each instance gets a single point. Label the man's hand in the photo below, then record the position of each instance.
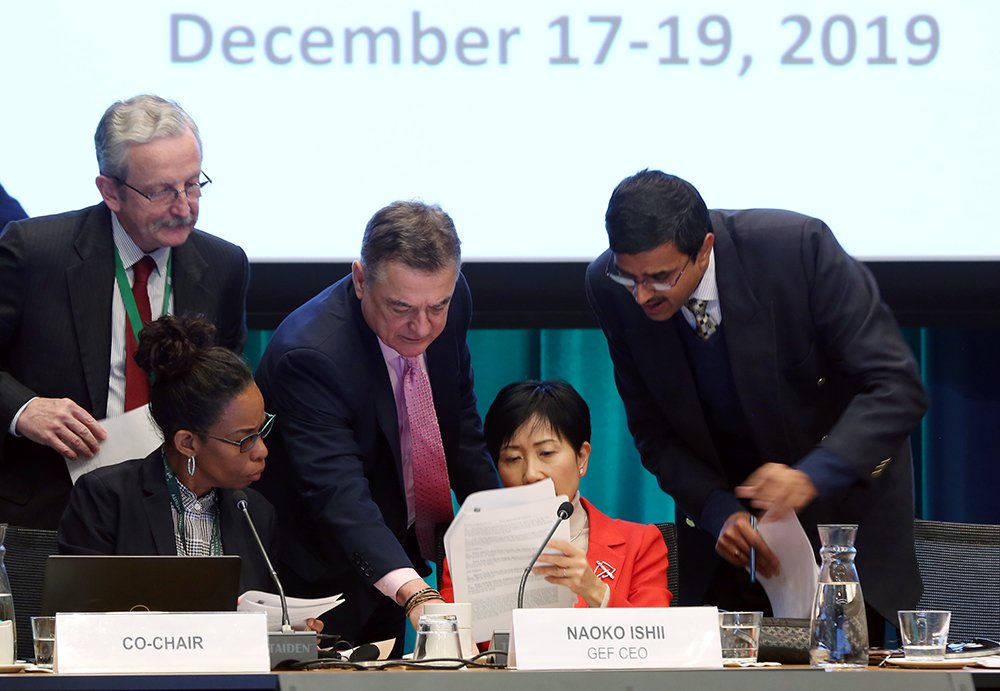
(775, 486)
(406, 591)
(61, 424)
(735, 541)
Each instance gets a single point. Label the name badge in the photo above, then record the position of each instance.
(618, 638)
(124, 642)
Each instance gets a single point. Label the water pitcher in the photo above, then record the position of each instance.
(838, 629)
(6, 599)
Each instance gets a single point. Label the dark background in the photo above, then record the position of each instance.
(537, 295)
(949, 311)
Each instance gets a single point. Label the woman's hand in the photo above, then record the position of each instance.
(571, 569)
(314, 625)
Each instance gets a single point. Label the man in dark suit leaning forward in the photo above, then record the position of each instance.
(69, 282)
(371, 383)
(760, 370)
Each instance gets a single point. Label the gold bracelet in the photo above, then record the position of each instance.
(413, 604)
(420, 597)
(406, 605)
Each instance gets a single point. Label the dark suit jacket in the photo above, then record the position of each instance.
(334, 469)
(819, 366)
(57, 279)
(10, 209)
(635, 551)
(125, 509)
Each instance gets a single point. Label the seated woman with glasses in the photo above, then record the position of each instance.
(541, 429)
(179, 499)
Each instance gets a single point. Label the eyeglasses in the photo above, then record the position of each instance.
(632, 285)
(247, 442)
(169, 195)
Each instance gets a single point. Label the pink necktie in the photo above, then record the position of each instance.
(431, 487)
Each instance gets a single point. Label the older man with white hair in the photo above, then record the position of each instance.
(76, 288)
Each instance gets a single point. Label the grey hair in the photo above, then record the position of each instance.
(137, 120)
(420, 236)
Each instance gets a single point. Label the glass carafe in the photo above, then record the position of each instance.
(838, 629)
(6, 599)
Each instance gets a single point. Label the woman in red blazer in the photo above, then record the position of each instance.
(541, 429)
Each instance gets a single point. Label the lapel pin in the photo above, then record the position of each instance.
(603, 569)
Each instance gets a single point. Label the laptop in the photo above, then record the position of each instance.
(106, 583)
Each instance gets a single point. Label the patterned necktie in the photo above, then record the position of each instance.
(136, 381)
(705, 325)
(431, 486)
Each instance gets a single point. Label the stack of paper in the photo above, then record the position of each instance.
(793, 590)
(489, 544)
(299, 609)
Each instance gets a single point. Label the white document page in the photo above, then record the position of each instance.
(793, 591)
(299, 609)
(488, 547)
(509, 496)
(132, 435)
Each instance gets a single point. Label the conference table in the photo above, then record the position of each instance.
(760, 679)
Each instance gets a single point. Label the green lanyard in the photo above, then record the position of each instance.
(174, 488)
(131, 309)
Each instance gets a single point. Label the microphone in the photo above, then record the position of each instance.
(241, 503)
(564, 511)
(287, 646)
(366, 652)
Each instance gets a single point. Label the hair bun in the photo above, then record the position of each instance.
(169, 346)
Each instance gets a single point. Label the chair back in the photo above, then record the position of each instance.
(960, 568)
(27, 551)
(669, 533)
(439, 530)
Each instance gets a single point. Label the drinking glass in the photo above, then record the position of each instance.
(43, 629)
(463, 613)
(437, 637)
(740, 632)
(924, 633)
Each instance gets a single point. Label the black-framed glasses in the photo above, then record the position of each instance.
(169, 195)
(247, 442)
(632, 285)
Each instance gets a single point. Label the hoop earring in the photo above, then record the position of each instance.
(192, 465)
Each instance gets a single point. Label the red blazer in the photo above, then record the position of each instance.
(635, 551)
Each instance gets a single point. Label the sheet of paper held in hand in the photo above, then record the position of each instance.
(299, 609)
(132, 435)
(793, 591)
(490, 543)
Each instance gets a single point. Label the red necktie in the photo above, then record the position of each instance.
(431, 487)
(136, 381)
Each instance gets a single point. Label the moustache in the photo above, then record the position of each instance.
(174, 222)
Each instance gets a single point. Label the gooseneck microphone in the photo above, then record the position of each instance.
(241, 503)
(286, 647)
(564, 511)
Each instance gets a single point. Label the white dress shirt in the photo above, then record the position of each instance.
(707, 290)
(131, 254)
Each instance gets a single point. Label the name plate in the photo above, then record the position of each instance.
(618, 638)
(139, 642)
